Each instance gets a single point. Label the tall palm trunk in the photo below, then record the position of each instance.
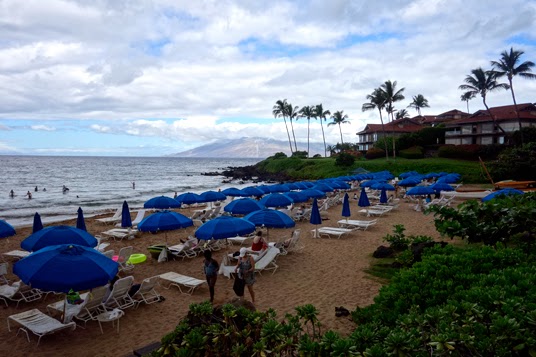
(384, 136)
(340, 131)
(308, 125)
(495, 125)
(393, 135)
(294, 136)
(323, 137)
(467, 106)
(288, 134)
(515, 106)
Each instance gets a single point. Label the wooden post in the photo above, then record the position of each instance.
(486, 171)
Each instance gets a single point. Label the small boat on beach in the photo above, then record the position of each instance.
(520, 185)
(466, 194)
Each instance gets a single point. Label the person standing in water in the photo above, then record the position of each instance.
(133, 185)
(29, 194)
(11, 194)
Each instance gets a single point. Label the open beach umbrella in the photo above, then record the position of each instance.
(243, 206)
(126, 220)
(253, 191)
(383, 196)
(264, 188)
(270, 218)
(345, 207)
(224, 227)
(293, 186)
(420, 191)
(276, 200)
(442, 186)
(407, 174)
(363, 199)
(57, 235)
(323, 187)
(234, 192)
(410, 181)
(37, 224)
(61, 268)
(164, 221)
(6, 229)
(189, 198)
(504, 192)
(297, 197)
(281, 187)
(161, 202)
(316, 219)
(213, 196)
(80, 222)
(383, 186)
(449, 178)
(370, 183)
(311, 193)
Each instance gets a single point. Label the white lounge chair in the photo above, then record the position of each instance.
(146, 293)
(123, 259)
(119, 297)
(109, 253)
(331, 231)
(352, 223)
(68, 310)
(137, 219)
(3, 272)
(94, 304)
(373, 212)
(267, 261)
(121, 233)
(38, 323)
(115, 218)
(16, 254)
(17, 292)
(179, 280)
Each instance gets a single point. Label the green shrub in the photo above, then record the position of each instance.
(344, 159)
(471, 152)
(515, 163)
(279, 155)
(414, 152)
(300, 154)
(374, 153)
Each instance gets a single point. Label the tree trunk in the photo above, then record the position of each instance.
(384, 136)
(308, 125)
(467, 106)
(323, 137)
(294, 136)
(515, 106)
(394, 148)
(495, 125)
(288, 134)
(340, 131)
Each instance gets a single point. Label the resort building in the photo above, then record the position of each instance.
(478, 128)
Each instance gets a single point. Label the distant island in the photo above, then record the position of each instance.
(255, 148)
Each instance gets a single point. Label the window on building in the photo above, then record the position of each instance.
(486, 128)
(467, 129)
(486, 140)
(467, 141)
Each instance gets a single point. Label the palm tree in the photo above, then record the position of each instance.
(279, 111)
(466, 97)
(376, 100)
(292, 114)
(419, 102)
(338, 119)
(402, 114)
(307, 112)
(481, 82)
(508, 65)
(321, 114)
(392, 95)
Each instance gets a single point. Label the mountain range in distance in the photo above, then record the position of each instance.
(255, 148)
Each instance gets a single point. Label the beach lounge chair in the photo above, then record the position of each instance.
(16, 254)
(109, 253)
(295, 244)
(121, 233)
(113, 219)
(352, 223)
(215, 212)
(17, 292)
(123, 259)
(239, 240)
(93, 305)
(137, 219)
(179, 280)
(331, 232)
(227, 267)
(267, 261)
(185, 250)
(71, 310)
(38, 323)
(146, 293)
(101, 246)
(373, 212)
(3, 272)
(119, 297)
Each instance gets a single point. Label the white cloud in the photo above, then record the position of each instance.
(42, 128)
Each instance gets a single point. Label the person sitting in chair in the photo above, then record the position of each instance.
(258, 243)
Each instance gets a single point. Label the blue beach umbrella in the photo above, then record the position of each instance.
(363, 199)
(311, 193)
(407, 182)
(420, 191)
(442, 186)
(189, 198)
(405, 175)
(504, 192)
(316, 219)
(6, 229)
(323, 187)
(243, 206)
(37, 224)
(449, 178)
(279, 188)
(301, 186)
(297, 197)
(383, 195)
(234, 192)
(126, 220)
(164, 221)
(276, 200)
(293, 186)
(270, 218)
(252, 191)
(345, 206)
(80, 222)
(264, 189)
(161, 202)
(339, 185)
(57, 235)
(383, 186)
(224, 227)
(61, 268)
(370, 183)
(213, 196)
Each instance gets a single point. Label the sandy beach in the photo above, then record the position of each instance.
(327, 273)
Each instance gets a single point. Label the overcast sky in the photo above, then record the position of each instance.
(151, 78)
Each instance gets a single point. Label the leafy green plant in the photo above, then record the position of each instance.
(398, 239)
(344, 159)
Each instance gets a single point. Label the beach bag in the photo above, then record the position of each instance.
(238, 286)
(73, 297)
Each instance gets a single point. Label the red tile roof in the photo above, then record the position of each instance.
(504, 113)
(389, 128)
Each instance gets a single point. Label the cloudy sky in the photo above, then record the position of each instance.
(150, 78)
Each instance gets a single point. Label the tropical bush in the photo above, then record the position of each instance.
(425, 137)
(470, 152)
(300, 154)
(374, 153)
(279, 155)
(414, 152)
(529, 136)
(518, 162)
(344, 159)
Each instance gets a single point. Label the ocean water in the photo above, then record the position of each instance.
(98, 184)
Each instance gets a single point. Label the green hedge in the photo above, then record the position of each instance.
(374, 153)
(414, 152)
(471, 152)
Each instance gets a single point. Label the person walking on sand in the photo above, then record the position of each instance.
(211, 268)
(246, 270)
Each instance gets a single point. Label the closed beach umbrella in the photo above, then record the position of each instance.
(311, 193)
(316, 219)
(345, 207)
(189, 198)
(234, 192)
(252, 191)
(164, 221)
(224, 227)
(297, 197)
(363, 199)
(80, 222)
(383, 196)
(213, 196)
(61, 268)
(126, 220)
(6, 229)
(57, 235)
(161, 202)
(420, 191)
(442, 186)
(37, 224)
(504, 192)
(276, 200)
(243, 206)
